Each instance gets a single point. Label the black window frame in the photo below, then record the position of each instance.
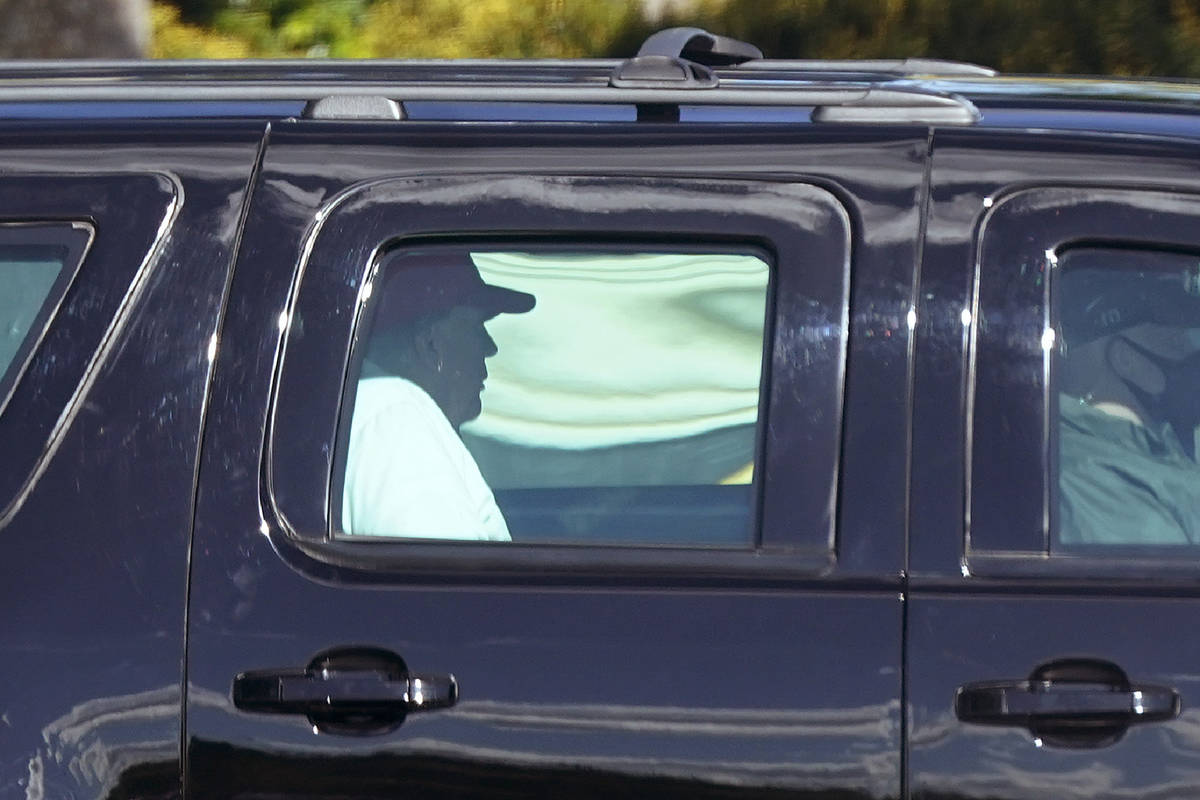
(130, 214)
(801, 224)
(1011, 488)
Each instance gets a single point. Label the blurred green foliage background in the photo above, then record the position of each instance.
(1124, 37)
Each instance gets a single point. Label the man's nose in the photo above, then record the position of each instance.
(489, 345)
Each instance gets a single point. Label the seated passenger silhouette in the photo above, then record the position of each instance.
(1129, 377)
(408, 473)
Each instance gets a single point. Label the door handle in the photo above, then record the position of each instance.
(1069, 703)
(349, 690)
(1022, 702)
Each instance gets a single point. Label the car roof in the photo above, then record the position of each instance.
(677, 68)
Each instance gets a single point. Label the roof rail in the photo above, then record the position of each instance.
(384, 71)
(899, 67)
(833, 101)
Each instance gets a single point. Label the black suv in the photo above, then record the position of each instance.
(696, 425)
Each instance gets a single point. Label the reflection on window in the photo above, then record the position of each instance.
(560, 396)
(1127, 376)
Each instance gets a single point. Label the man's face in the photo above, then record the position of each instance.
(1144, 354)
(1160, 365)
(462, 344)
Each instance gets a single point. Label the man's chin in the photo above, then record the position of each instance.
(462, 416)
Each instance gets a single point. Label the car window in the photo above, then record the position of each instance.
(575, 394)
(1126, 397)
(37, 263)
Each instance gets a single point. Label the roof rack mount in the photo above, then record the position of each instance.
(699, 46)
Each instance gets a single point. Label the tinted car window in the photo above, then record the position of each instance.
(37, 263)
(576, 394)
(1126, 380)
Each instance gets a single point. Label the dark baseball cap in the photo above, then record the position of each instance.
(1100, 292)
(414, 283)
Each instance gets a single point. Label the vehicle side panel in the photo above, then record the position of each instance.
(978, 616)
(96, 543)
(689, 685)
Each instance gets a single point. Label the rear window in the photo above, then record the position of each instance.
(37, 263)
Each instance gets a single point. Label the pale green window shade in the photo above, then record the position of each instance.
(25, 285)
(633, 369)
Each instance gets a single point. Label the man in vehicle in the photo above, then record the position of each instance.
(408, 473)
(1129, 377)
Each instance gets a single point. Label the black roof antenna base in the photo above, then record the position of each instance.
(699, 46)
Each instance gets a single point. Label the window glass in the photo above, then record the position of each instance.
(1126, 378)
(35, 266)
(589, 395)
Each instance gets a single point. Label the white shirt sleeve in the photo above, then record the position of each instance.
(408, 473)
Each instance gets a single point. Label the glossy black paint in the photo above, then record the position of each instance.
(1006, 635)
(131, 209)
(98, 514)
(989, 604)
(708, 682)
(582, 678)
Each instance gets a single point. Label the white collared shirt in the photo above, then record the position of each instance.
(408, 473)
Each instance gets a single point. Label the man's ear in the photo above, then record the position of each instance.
(427, 348)
(1132, 366)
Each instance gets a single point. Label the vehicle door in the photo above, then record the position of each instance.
(115, 250)
(660, 553)
(1051, 644)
